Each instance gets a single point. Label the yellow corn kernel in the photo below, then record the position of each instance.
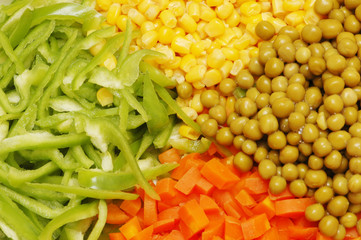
(152, 12)
(214, 3)
(182, 102)
(110, 62)
(196, 73)
(168, 72)
(237, 66)
(149, 39)
(147, 26)
(299, 27)
(120, 1)
(198, 85)
(241, 43)
(200, 29)
(178, 76)
(162, 3)
(292, 5)
(222, 101)
(265, 6)
(216, 58)
(226, 69)
(190, 37)
(165, 35)
(168, 18)
(187, 62)
(94, 50)
(250, 8)
(126, 8)
(136, 16)
(144, 5)
(113, 13)
(104, 5)
(267, 16)
(251, 20)
(253, 52)
(178, 7)
(244, 57)
(196, 37)
(179, 31)
(234, 19)
(194, 10)
(278, 24)
(214, 45)
(175, 63)
(133, 48)
(224, 10)
(311, 17)
(295, 18)
(212, 77)
(168, 54)
(215, 28)
(308, 4)
(197, 49)
(207, 13)
(251, 28)
(230, 53)
(104, 96)
(228, 35)
(187, 23)
(157, 23)
(122, 22)
(202, 60)
(196, 103)
(230, 105)
(188, 132)
(321, 121)
(190, 112)
(181, 45)
(277, 6)
(238, 31)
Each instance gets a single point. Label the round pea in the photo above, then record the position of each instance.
(354, 183)
(255, 67)
(321, 147)
(184, 90)
(328, 225)
(347, 48)
(227, 86)
(265, 30)
(290, 31)
(209, 98)
(349, 220)
(287, 52)
(298, 188)
(243, 162)
(274, 67)
(341, 233)
(252, 130)
(317, 65)
(265, 54)
(336, 64)
(330, 28)
(337, 14)
(224, 136)
(333, 85)
(245, 79)
(209, 127)
(315, 212)
(311, 33)
(338, 206)
(289, 154)
(277, 185)
(218, 113)
(324, 194)
(352, 25)
(277, 140)
(246, 107)
(267, 169)
(354, 147)
(339, 185)
(315, 178)
(323, 7)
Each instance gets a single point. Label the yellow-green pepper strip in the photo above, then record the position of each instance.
(85, 192)
(17, 220)
(125, 49)
(38, 141)
(22, 29)
(90, 151)
(75, 214)
(79, 155)
(35, 206)
(43, 194)
(157, 75)
(134, 103)
(102, 218)
(6, 45)
(163, 94)
(17, 177)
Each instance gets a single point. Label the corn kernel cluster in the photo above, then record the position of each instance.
(204, 41)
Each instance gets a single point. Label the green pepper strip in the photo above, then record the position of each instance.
(163, 94)
(71, 94)
(147, 140)
(18, 177)
(123, 116)
(77, 213)
(5, 43)
(21, 29)
(40, 193)
(33, 205)
(91, 152)
(102, 218)
(119, 180)
(17, 220)
(50, 154)
(125, 49)
(78, 153)
(161, 139)
(36, 141)
(85, 192)
(157, 75)
(134, 103)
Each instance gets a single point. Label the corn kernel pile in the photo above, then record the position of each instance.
(203, 41)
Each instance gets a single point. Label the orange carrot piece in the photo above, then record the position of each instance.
(255, 184)
(193, 216)
(286, 194)
(131, 228)
(232, 229)
(139, 191)
(298, 232)
(185, 164)
(145, 234)
(203, 186)
(292, 208)
(131, 207)
(188, 181)
(320, 236)
(164, 225)
(244, 199)
(116, 215)
(217, 238)
(208, 204)
(169, 156)
(218, 174)
(281, 223)
(265, 206)
(116, 236)
(162, 206)
(247, 211)
(214, 228)
(351, 233)
(175, 235)
(271, 234)
(150, 210)
(255, 226)
(212, 149)
(225, 200)
(170, 213)
(168, 194)
(303, 222)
